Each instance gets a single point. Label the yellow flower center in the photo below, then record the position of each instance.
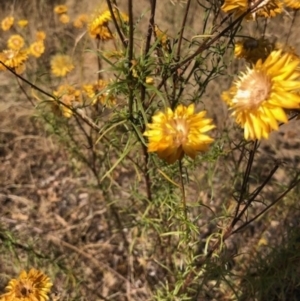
(263, 3)
(179, 131)
(24, 289)
(252, 90)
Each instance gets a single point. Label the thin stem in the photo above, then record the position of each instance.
(121, 35)
(206, 44)
(182, 189)
(293, 185)
(130, 57)
(255, 194)
(182, 30)
(150, 26)
(27, 82)
(245, 181)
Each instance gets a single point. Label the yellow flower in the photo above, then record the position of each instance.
(116, 54)
(98, 27)
(61, 65)
(15, 42)
(64, 18)
(37, 48)
(99, 93)
(13, 58)
(295, 4)
(67, 95)
(260, 95)
(23, 23)
(162, 38)
(173, 134)
(60, 9)
(80, 21)
(40, 35)
(149, 80)
(7, 23)
(31, 286)
(267, 8)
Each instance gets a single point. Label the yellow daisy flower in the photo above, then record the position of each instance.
(149, 80)
(60, 9)
(23, 23)
(61, 65)
(37, 48)
(295, 4)
(98, 27)
(260, 95)
(7, 23)
(31, 286)
(13, 58)
(40, 35)
(267, 8)
(173, 134)
(80, 21)
(64, 18)
(99, 93)
(67, 95)
(162, 38)
(15, 42)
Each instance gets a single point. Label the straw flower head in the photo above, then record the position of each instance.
(260, 95)
(295, 4)
(23, 23)
(15, 42)
(175, 133)
(37, 48)
(13, 58)
(266, 9)
(7, 23)
(60, 9)
(31, 286)
(67, 96)
(61, 65)
(40, 35)
(80, 21)
(98, 26)
(64, 18)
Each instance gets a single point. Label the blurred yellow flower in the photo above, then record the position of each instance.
(13, 58)
(66, 95)
(173, 134)
(162, 38)
(252, 49)
(80, 21)
(60, 9)
(37, 48)
(31, 286)
(7, 23)
(260, 95)
(23, 23)
(61, 65)
(40, 35)
(15, 42)
(149, 80)
(98, 92)
(64, 18)
(295, 4)
(267, 9)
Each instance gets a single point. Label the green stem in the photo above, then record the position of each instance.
(182, 189)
